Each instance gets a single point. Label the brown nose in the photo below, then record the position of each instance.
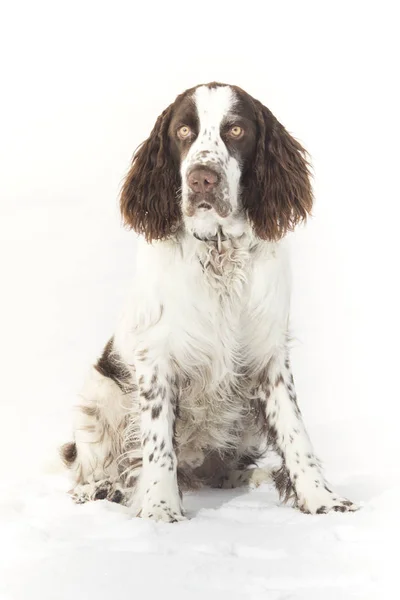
(202, 181)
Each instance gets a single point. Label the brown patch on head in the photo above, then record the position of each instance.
(150, 202)
(184, 114)
(243, 148)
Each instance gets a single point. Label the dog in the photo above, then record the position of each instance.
(196, 384)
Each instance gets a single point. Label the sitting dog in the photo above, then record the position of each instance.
(196, 383)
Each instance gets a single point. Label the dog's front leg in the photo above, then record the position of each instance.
(158, 491)
(300, 476)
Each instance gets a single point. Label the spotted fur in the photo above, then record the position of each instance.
(196, 383)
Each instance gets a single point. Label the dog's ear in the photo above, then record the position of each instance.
(149, 198)
(277, 194)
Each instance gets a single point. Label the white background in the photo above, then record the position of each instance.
(82, 84)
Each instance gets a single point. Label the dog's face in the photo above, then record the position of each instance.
(216, 161)
(213, 140)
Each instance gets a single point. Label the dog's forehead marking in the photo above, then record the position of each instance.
(213, 105)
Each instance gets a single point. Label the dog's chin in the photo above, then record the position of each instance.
(207, 225)
(222, 231)
(203, 231)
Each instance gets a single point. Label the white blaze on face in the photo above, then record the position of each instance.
(214, 107)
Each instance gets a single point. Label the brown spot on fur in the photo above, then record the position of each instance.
(110, 365)
(155, 411)
(322, 510)
(68, 453)
(117, 497)
(283, 484)
(102, 492)
(347, 503)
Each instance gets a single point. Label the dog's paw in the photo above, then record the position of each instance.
(323, 501)
(161, 502)
(81, 493)
(161, 512)
(104, 489)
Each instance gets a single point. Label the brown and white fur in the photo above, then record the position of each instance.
(196, 382)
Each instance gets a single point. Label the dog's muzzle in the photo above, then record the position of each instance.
(206, 191)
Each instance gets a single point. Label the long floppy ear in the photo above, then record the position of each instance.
(149, 203)
(278, 194)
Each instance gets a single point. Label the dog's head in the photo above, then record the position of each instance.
(216, 160)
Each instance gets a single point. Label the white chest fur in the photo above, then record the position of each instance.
(214, 315)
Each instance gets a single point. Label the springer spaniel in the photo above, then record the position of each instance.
(196, 383)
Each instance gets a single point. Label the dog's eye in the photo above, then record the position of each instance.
(236, 132)
(184, 132)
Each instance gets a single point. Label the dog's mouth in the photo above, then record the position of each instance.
(216, 239)
(209, 202)
(211, 238)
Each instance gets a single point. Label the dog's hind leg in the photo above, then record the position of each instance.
(99, 430)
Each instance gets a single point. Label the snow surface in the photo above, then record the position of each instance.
(81, 87)
(237, 544)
